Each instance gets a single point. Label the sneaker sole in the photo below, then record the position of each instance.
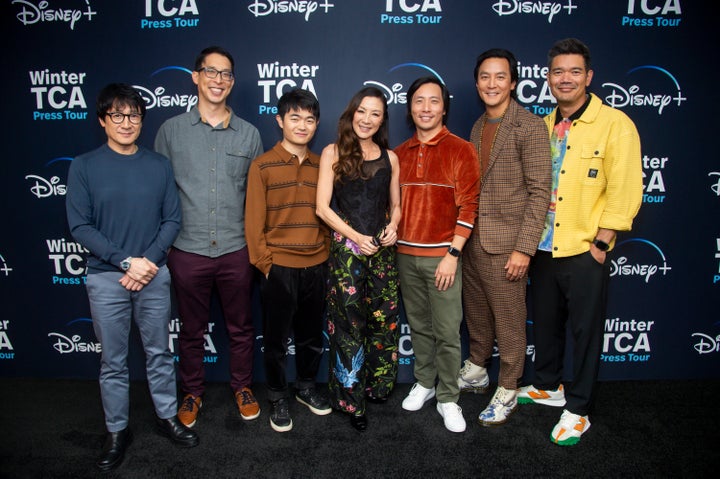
(249, 418)
(567, 442)
(544, 402)
(281, 428)
(314, 410)
(570, 441)
(453, 430)
(475, 389)
(486, 423)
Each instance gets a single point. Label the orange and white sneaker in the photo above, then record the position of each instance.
(532, 395)
(189, 410)
(568, 430)
(247, 404)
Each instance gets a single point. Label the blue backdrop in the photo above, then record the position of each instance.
(650, 59)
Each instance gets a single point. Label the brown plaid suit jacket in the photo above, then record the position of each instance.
(515, 191)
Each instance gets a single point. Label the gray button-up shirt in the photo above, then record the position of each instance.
(210, 165)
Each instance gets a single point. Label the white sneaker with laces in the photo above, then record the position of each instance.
(532, 395)
(473, 378)
(502, 404)
(568, 430)
(452, 416)
(417, 397)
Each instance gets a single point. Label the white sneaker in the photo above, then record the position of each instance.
(502, 404)
(568, 430)
(472, 378)
(532, 395)
(417, 397)
(452, 416)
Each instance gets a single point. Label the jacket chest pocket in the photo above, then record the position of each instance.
(593, 163)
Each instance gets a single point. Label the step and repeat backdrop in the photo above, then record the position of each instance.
(653, 59)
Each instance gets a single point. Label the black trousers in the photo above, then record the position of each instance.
(293, 303)
(569, 291)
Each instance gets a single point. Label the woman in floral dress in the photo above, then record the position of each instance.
(358, 196)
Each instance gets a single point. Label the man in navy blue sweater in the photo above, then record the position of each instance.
(123, 206)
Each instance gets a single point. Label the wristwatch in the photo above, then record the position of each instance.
(601, 245)
(454, 251)
(125, 264)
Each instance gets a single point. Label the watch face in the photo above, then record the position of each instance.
(125, 265)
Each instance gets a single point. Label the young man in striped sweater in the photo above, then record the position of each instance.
(289, 244)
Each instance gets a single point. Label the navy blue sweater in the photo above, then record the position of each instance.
(122, 205)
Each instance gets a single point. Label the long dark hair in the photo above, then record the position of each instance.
(350, 157)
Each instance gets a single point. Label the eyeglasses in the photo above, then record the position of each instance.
(117, 117)
(211, 73)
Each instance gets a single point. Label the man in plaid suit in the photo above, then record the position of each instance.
(514, 154)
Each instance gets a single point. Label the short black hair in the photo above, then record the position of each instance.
(298, 99)
(200, 59)
(570, 46)
(119, 95)
(500, 53)
(420, 82)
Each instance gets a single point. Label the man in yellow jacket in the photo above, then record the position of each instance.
(596, 191)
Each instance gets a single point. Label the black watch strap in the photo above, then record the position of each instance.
(601, 245)
(454, 251)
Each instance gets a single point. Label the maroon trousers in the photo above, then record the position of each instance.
(193, 278)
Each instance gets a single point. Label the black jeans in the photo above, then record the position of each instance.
(293, 303)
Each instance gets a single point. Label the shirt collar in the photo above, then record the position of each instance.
(433, 141)
(228, 123)
(577, 114)
(287, 157)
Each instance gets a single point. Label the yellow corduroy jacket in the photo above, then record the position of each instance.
(600, 183)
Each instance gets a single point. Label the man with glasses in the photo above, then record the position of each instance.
(123, 206)
(211, 149)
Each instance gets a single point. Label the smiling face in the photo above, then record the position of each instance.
(298, 127)
(568, 79)
(214, 91)
(427, 109)
(495, 85)
(121, 137)
(368, 117)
